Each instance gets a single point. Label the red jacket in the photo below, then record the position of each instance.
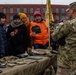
(40, 38)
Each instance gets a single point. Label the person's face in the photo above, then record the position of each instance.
(2, 20)
(23, 20)
(70, 13)
(37, 18)
(17, 21)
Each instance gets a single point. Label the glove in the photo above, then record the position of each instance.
(61, 41)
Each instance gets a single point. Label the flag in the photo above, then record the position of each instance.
(49, 16)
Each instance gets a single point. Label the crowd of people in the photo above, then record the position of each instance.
(22, 34)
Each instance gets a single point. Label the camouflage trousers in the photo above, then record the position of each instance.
(65, 71)
(66, 62)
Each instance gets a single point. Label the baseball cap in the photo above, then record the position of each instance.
(71, 6)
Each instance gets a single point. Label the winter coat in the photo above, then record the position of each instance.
(42, 37)
(3, 40)
(20, 42)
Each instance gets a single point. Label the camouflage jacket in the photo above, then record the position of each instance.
(67, 53)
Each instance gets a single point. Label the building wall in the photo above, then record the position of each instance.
(59, 11)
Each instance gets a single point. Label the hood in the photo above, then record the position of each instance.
(23, 15)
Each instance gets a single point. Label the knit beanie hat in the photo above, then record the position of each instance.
(16, 16)
(37, 13)
(2, 15)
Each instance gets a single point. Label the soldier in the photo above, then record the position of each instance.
(66, 58)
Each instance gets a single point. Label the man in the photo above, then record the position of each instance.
(3, 39)
(18, 36)
(66, 61)
(39, 31)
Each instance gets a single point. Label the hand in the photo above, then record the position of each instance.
(12, 34)
(33, 34)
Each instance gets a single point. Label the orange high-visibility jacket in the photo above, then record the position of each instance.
(40, 38)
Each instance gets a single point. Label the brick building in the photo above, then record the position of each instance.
(59, 11)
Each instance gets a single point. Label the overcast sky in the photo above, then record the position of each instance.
(61, 2)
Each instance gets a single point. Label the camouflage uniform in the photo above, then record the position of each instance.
(66, 59)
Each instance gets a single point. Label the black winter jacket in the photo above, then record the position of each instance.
(3, 40)
(20, 42)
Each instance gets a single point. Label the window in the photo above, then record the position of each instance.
(57, 17)
(44, 10)
(57, 10)
(4, 10)
(11, 10)
(18, 10)
(31, 18)
(25, 10)
(38, 9)
(62, 10)
(11, 18)
(31, 10)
